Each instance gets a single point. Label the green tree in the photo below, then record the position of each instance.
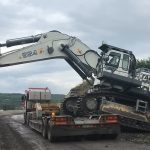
(143, 63)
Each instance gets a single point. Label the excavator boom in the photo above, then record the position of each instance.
(52, 45)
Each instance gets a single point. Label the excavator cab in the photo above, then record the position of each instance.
(117, 66)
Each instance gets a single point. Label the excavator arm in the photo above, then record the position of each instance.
(51, 45)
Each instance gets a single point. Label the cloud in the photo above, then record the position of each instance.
(57, 82)
(124, 24)
(49, 66)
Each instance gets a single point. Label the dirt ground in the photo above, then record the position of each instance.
(14, 135)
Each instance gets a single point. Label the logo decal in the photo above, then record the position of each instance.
(29, 53)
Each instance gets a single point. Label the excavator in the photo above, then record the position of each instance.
(116, 86)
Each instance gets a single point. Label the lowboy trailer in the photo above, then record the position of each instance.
(47, 118)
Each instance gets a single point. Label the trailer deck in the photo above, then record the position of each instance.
(81, 126)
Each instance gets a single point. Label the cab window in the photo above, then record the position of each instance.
(125, 62)
(114, 59)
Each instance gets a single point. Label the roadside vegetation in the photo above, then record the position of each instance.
(143, 63)
(11, 101)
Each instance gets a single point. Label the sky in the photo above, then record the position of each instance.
(124, 24)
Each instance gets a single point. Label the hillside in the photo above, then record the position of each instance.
(13, 100)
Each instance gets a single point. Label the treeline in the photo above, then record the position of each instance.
(143, 63)
(11, 101)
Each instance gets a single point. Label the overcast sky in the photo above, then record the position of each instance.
(125, 24)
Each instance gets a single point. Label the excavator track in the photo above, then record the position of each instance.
(128, 118)
(109, 94)
(134, 124)
(77, 104)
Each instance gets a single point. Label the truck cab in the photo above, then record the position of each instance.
(38, 104)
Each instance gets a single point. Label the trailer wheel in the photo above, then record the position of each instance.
(113, 136)
(51, 138)
(44, 128)
(44, 132)
(25, 119)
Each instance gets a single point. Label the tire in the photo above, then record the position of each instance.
(44, 129)
(25, 119)
(113, 136)
(51, 138)
(44, 132)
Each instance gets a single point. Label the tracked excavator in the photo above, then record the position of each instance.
(115, 84)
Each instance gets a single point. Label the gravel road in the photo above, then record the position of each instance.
(14, 135)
